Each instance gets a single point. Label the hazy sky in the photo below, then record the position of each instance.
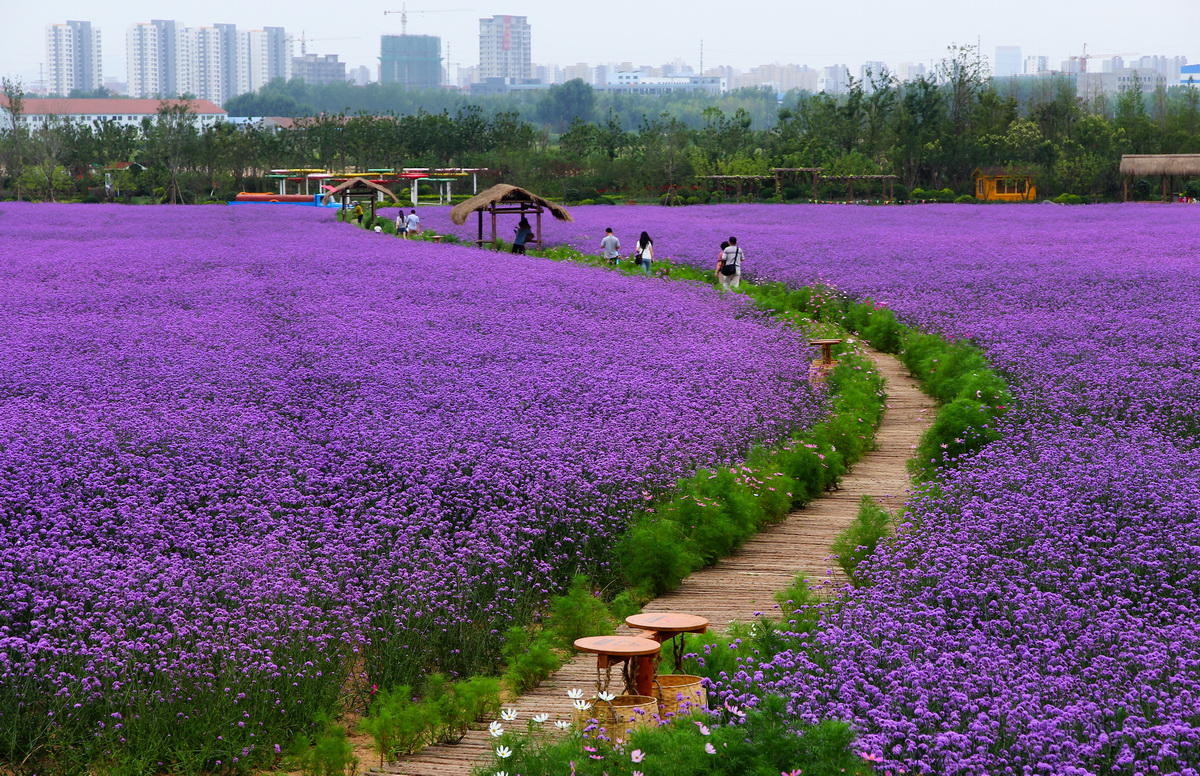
(742, 34)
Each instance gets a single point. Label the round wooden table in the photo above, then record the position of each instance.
(668, 625)
(637, 658)
(826, 349)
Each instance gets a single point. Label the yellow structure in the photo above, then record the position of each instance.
(1004, 184)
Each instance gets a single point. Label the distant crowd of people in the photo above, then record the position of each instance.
(729, 260)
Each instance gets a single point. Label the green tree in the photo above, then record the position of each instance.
(171, 142)
(15, 133)
(563, 104)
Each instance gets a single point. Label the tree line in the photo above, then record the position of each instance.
(577, 143)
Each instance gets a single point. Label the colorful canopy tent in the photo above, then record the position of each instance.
(503, 198)
(1166, 165)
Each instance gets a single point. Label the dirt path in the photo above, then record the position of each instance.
(746, 581)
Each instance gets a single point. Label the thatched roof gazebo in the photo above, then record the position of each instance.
(1165, 165)
(361, 189)
(503, 198)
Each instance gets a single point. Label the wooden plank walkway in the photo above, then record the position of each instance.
(746, 581)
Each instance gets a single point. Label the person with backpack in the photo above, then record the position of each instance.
(643, 252)
(729, 269)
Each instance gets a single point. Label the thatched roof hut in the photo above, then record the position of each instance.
(1165, 165)
(347, 187)
(503, 198)
(1187, 165)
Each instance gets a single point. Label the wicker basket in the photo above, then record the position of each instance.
(676, 691)
(624, 712)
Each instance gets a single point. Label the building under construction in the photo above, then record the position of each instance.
(412, 60)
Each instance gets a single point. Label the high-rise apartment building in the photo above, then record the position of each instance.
(152, 55)
(781, 78)
(1008, 61)
(268, 56)
(504, 48)
(318, 69)
(412, 60)
(834, 79)
(1036, 64)
(73, 58)
(211, 63)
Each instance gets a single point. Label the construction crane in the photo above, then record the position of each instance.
(305, 41)
(404, 14)
(1083, 59)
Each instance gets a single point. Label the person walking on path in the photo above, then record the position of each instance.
(358, 212)
(412, 224)
(401, 224)
(524, 232)
(611, 247)
(643, 252)
(729, 273)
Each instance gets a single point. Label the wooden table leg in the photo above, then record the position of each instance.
(644, 674)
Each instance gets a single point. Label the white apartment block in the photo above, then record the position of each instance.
(73, 58)
(911, 71)
(1036, 65)
(505, 50)
(781, 78)
(212, 63)
(834, 79)
(151, 53)
(1008, 61)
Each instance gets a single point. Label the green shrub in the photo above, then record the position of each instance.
(530, 657)
(860, 539)
(329, 753)
(962, 426)
(396, 723)
(655, 555)
(579, 613)
(965, 199)
(765, 743)
(1068, 199)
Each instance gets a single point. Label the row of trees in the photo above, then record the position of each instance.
(577, 144)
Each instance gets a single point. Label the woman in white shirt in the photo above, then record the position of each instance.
(644, 252)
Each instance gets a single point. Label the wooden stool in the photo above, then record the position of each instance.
(638, 659)
(826, 349)
(668, 625)
(436, 238)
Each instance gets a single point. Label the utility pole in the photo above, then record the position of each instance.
(701, 57)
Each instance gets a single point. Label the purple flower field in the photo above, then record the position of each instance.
(248, 452)
(1039, 614)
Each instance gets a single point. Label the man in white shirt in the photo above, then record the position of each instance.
(412, 224)
(611, 247)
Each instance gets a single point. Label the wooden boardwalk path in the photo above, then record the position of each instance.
(746, 581)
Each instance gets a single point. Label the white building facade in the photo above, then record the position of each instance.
(505, 49)
(212, 63)
(73, 58)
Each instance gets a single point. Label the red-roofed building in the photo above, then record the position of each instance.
(37, 111)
